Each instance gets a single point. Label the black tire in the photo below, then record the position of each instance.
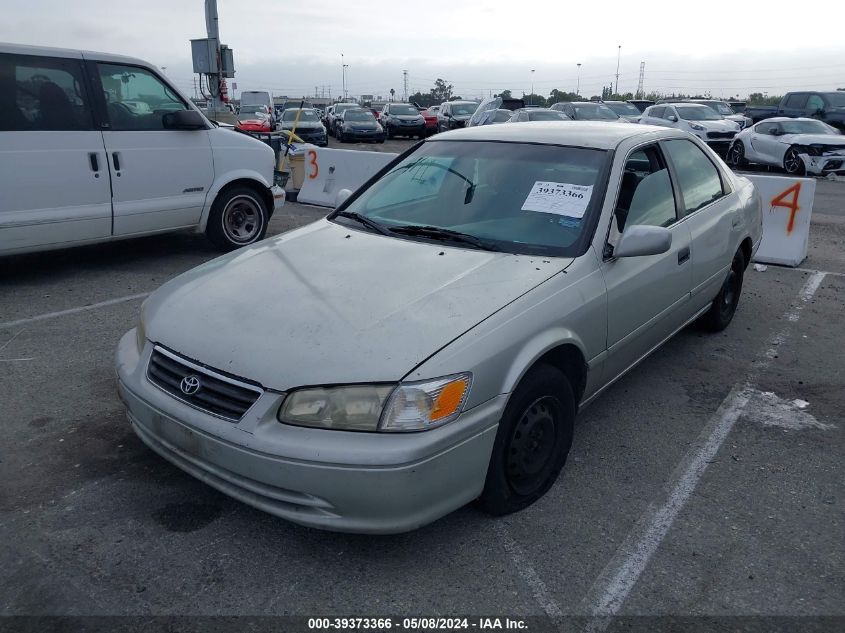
(532, 443)
(389, 132)
(736, 155)
(238, 217)
(792, 163)
(723, 308)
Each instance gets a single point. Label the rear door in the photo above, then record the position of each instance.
(159, 177)
(54, 182)
(794, 104)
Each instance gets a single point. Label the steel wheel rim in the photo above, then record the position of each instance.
(242, 219)
(791, 162)
(729, 293)
(531, 447)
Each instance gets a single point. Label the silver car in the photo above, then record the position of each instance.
(430, 342)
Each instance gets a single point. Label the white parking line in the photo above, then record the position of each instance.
(60, 313)
(611, 588)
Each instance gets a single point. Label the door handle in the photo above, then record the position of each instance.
(116, 160)
(95, 162)
(683, 255)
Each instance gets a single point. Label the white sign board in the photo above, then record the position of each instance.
(787, 206)
(559, 198)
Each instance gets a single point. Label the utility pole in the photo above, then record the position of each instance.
(618, 58)
(640, 91)
(531, 98)
(343, 75)
(405, 84)
(578, 85)
(213, 31)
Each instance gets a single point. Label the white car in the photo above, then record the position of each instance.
(80, 164)
(724, 108)
(796, 145)
(699, 120)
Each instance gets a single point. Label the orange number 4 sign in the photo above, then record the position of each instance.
(789, 200)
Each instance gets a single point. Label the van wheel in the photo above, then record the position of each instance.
(238, 217)
(723, 308)
(532, 443)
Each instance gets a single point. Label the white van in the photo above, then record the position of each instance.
(97, 147)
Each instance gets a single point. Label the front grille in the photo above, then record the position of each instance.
(721, 134)
(201, 387)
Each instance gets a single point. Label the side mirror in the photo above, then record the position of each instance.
(776, 131)
(672, 118)
(641, 240)
(183, 120)
(341, 197)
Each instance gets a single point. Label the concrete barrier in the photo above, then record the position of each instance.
(327, 171)
(787, 206)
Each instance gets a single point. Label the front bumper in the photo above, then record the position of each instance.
(278, 197)
(334, 480)
(364, 136)
(824, 165)
(409, 130)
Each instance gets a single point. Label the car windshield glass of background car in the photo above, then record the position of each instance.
(722, 108)
(595, 112)
(358, 115)
(463, 108)
(516, 197)
(624, 109)
(546, 116)
(403, 110)
(806, 127)
(698, 113)
(307, 115)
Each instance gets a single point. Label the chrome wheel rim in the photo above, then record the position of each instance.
(242, 219)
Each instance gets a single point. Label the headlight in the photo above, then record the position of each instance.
(425, 405)
(408, 407)
(697, 127)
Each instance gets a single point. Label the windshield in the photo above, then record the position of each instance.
(719, 106)
(806, 127)
(358, 115)
(403, 110)
(594, 112)
(547, 115)
(623, 109)
(307, 115)
(697, 113)
(341, 108)
(836, 99)
(463, 108)
(522, 198)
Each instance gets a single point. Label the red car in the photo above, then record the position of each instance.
(430, 117)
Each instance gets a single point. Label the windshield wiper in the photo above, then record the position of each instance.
(438, 233)
(363, 219)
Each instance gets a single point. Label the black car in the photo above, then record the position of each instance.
(402, 119)
(309, 127)
(358, 125)
(455, 114)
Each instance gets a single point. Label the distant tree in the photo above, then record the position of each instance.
(537, 100)
(441, 91)
(758, 98)
(556, 96)
(424, 100)
(504, 94)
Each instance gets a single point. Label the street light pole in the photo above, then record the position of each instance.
(618, 57)
(343, 76)
(531, 98)
(578, 87)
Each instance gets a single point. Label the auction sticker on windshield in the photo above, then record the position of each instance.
(560, 198)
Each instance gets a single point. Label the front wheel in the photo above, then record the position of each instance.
(792, 163)
(238, 217)
(723, 308)
(532, 443)
(736, 155)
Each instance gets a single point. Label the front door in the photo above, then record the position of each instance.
(54, 181)
(160, 178)
(647, 296)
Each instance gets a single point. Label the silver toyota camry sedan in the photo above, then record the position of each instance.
(430, 342)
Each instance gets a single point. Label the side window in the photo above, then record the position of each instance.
(135, 98)
(698, 178)
(645, 193)
(764, 128)
(43, 93)
(815, 103)
(795, 101)
(656, 111)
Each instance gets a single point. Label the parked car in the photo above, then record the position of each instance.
(258, 101)
(721, 107)
(430, 116)
(625, 110)
(824, 106)
(309, 127)
(795, 145)
(336, 111)
(94, 170)
(327, 113)
(587, 111)
(402, 119)
(296, 104)
(641, 104)
(536, 114)
(494, 110)
(454, 114)
(358, 124)
(697, 119)
(349, 407)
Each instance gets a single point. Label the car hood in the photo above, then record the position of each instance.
(328, 304)
(302, 125)
(812, 139)
(721, 125)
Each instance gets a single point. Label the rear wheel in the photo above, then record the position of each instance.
(792, 163)
(723, 308)
(238, 217)
(532, 443)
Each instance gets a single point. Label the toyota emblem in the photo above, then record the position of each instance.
(190, 385)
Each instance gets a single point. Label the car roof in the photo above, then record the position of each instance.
(25, 49)
(597, 134)
(781, 119)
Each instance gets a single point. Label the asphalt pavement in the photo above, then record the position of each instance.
(707, 482)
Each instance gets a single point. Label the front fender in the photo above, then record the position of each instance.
(220, 183)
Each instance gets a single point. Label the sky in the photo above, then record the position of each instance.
(725, 48)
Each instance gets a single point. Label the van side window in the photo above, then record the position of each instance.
(43, 93)
(135, 98)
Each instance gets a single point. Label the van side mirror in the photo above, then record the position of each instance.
(640, 240)
(183, 120)
(341, 197)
